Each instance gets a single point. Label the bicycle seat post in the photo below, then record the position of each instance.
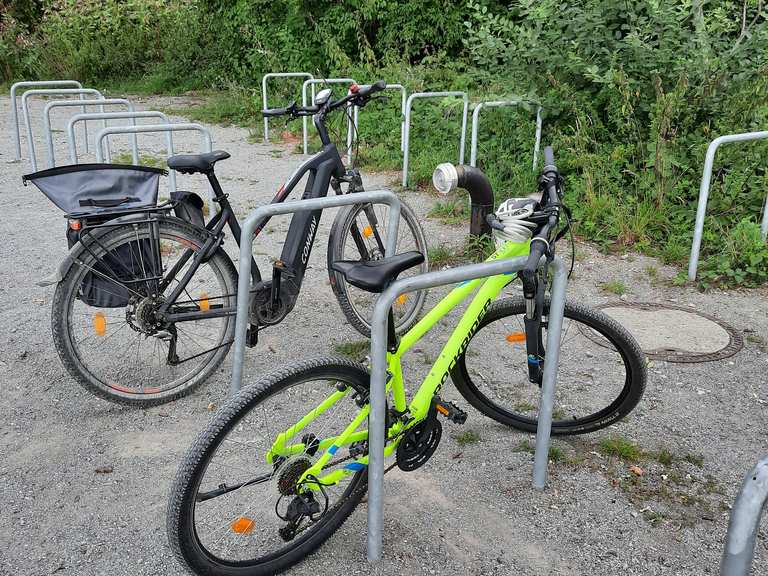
(214, 182)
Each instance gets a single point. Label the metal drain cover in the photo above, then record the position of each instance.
(675, 333)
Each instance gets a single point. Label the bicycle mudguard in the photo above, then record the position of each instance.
(77, 249)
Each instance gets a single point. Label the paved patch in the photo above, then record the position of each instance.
(676, 333)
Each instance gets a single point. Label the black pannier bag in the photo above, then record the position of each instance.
(95, 194)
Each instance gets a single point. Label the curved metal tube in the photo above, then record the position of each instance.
(499, 104)
(407, 137)
(15, 113)
(264, 94)
(47, 92)
(706, 179)
(84, 104)
(205, 133)
(132, 115)
(745, 522)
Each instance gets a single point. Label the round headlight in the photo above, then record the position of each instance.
(445, 178)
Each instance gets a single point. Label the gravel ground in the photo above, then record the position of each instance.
(469, 510)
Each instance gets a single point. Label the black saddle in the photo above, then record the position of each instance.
(191, 163)
(376, 275)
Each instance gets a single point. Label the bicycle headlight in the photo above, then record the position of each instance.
(445, 178)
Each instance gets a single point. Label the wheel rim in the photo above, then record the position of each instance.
(592, 378)
(406, 306)
(118, 348)
(238, 456)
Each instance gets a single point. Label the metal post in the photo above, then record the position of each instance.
(706, 179)
(407, 133)
(499, 104)
(204, 132)
(84, 103)
(403, 98)
(376, 420)
(115, 116)
(314, 82)
(554, 328)
(537, 144)
(264, 94)
(745, 522)
(47, 92)
(15, 113)
(257, 218)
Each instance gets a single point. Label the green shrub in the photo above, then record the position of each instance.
(741, 259)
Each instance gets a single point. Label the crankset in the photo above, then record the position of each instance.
(419, 443)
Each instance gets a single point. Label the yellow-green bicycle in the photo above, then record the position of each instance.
(284, 462)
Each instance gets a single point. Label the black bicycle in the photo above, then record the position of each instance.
(144, 306)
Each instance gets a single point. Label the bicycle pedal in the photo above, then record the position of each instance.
(450, 411)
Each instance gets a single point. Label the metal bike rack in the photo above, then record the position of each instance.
(131, 115)
(257, 218)
(205, 134)
(745, 522)
(48, 92)
(407, 132)
(314, 82)
(499, 104)
(64, 103)
(264, 94)
(403, 98)
(15, 113)
(377, 417)
(706, 179)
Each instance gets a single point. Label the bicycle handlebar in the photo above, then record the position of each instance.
(359, 95)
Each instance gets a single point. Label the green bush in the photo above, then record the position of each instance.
(740, 260)
(632, 92)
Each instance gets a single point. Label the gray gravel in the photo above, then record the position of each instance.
(470, 510)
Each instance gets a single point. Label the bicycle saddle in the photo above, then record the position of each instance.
(376, 275)
(192, 163)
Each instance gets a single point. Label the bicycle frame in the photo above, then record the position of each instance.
(322, 167)
(486, 291)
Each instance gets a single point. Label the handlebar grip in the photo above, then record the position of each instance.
(272, 112)
(363, 90)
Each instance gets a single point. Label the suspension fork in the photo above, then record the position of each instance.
(534, 339)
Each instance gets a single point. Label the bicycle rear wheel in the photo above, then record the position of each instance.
(230, 509)
(360, 233)
(103, 321)
(600, 379)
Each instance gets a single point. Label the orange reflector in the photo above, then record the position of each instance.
(516, 337)
(367, 231)
(99, 323)
(242, 525)
(401, 299)
(204, 304)
(442, 409)
(75, 225)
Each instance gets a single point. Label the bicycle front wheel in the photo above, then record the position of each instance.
(600, 379)
(238, 506)
(360, 233)
(103, 314)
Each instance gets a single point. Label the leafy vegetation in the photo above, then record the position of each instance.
(356, 350)
(631, 92)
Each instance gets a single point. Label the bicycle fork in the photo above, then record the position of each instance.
(534, 341)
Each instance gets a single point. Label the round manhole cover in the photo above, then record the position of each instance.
(675, 333)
